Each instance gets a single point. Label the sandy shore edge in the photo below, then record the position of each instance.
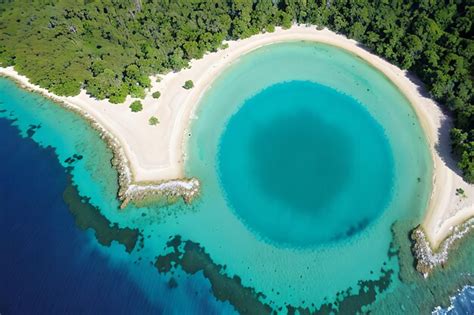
(129, 189)
(156, 155)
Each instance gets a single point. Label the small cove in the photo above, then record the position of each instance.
(247, 214)
(295, 273)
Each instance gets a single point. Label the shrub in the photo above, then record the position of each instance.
(188, 85)
(136, 106)
(153, 121)
(270, 28)
(460, 192)
(156, 95)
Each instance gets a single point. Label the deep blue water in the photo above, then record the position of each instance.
(50, 266)
(461, 304)
(47, 266)
(312, 163)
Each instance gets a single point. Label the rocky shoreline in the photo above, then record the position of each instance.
(426, 258)
(129, 190)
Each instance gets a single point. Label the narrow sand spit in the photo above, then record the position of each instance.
(157, 153)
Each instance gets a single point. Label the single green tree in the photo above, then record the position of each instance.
(153, 121)
(136, 106)
(188, 85)
(156, 94)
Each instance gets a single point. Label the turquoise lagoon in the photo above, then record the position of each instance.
(274, 242)
(313, 168)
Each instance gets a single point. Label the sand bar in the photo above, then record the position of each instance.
(157, 154)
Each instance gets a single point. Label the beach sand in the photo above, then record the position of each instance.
(158, 153)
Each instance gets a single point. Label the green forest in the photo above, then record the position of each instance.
(110, 47)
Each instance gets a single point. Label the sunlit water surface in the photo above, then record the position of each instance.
(309, 160)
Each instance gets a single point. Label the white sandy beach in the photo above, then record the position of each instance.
(157, 153)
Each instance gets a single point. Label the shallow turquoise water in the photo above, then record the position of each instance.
(289, 269)
(304, 165)
(297, 272)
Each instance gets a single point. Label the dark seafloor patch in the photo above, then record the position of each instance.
(192, 258)
(88, 216)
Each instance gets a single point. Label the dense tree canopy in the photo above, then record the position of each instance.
(110, 47)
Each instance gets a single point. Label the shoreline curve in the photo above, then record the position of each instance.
(150, 159)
